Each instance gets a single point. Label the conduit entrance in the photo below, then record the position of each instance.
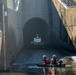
(33, 27)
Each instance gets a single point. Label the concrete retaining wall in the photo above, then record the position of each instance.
(14, 41)
(68, 17)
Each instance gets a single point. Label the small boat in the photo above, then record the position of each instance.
(50, 65)
(37, 41)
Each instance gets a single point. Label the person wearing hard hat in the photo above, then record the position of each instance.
(53, 60)
(46, 60)
(60, 62)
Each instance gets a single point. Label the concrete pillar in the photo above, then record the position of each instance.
(4, 35)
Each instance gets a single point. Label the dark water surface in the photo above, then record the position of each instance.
(54, 71)
(36, 56)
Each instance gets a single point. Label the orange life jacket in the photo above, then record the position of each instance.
(52, 61)
(47, 61)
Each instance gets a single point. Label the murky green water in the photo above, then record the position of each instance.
(54, 71)
(68, 70)
(59, 71)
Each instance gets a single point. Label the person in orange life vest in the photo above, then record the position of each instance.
(46, 60)
(53, 60)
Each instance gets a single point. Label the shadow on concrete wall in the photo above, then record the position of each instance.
(64, 36)
(11, 45)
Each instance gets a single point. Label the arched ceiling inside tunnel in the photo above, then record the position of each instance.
(32, 27)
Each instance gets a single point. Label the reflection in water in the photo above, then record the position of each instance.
(54, 71)
(70, 71)
(48, 71)
(15, 74)
(59, 71)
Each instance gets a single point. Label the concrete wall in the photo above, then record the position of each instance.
(0, 14)
(45, 10)
(71, 24)
(55, 21)
(35, 8)
(0, 29)
(68, 17)
(14, 41)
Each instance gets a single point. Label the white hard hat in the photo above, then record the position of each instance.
(44, 56)
(61, 59)
(54, 56)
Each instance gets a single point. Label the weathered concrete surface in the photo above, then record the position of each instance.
(0, 40)
(0, 14)
(68, 17)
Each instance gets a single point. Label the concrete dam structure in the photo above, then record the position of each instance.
(27, 19)
(36, 21)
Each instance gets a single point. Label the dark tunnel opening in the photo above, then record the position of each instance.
(33, 27)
